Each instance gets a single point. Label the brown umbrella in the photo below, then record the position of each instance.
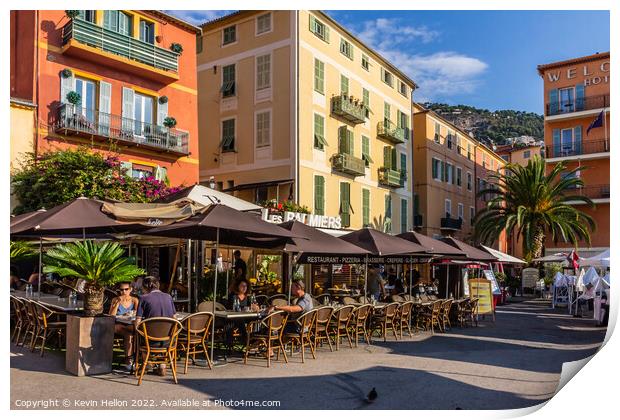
(471, 252)
(379, 243)
(434, 246)
(317, 242)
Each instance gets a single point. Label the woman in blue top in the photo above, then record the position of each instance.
(125, 305)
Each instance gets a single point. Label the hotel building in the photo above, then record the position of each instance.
(107, 80)
(576, 94)
(293, 107)
(450, 167)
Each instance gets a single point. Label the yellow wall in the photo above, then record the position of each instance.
(22, 136)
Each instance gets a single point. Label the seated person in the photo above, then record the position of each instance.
(125, 304)
(301, 306)
(241, 291)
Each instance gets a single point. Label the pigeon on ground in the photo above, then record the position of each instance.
(372, 396)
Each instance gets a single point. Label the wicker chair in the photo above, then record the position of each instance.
(49, 323)
(403, 317)
(470, 314)
(383, 319)
(270, 333)
(323, 316)
(359, 323)
(325, 299)
(157, 343)
(460, 311)
(32, 322)
(444, 314)
(279, 302)
(363, 299)
(397, 298)
(195, 335)
(207, 306)
(339, 325)
(348, 300)
(262, 300)
(303, 336)
(278, 296)
(430, 316)
(21, 318)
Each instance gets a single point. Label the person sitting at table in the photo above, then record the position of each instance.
(124, 305)
(302, 305)
(242, 291)
(154, 303)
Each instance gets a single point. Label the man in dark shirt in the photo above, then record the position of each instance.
(240, 268)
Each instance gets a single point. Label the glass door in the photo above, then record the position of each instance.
(143, 114)
(567, 100)
(87, 91)
(567, 142)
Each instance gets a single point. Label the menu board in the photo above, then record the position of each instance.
(491, 277)
(483, 290)
(529, 277)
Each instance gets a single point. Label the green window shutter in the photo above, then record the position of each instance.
(110, 20)
(387, 157)
(366, 101)
(345, 203)
(124, 24)
(319, 131)
(557, 144)
(319, 76)
(312, 24)
(319, 195)
(434, 168)
(350, 143)
(580, 92)
(577, 138)
(344, 85)
(326, 33)
(403, 163)
(386, 111)
(394, 159)
(554, 101)
(388, 206)
(343, 146)
(365, 207)
(403, 215)
(366, 151)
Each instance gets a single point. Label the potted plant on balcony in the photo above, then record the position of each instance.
(171, 138)
(72, 14)
(176, 47)
(101, 264)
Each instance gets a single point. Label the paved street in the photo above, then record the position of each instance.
(513, 363)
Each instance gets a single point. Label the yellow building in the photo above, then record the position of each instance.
(293, 107)
(450, 167)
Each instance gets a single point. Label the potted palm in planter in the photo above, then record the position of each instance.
(90, 336)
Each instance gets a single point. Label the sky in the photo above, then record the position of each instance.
(485, 59)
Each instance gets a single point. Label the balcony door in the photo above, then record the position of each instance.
(87, 91)
(567, 142)
(567, 100)
(142, 113)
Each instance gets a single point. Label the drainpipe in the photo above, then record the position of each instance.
(35, 143)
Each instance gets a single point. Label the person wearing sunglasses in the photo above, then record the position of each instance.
(125, 305)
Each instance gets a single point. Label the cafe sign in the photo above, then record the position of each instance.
(314, 220)
(482, 289)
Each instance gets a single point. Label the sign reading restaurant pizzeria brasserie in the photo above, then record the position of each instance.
(339, 259)
(314, 220)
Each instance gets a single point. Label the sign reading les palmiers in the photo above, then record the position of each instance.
(314, 220)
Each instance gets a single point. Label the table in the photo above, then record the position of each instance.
(128, 320)
(232, 315)
(53, 301)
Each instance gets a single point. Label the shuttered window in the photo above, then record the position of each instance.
(366, 101)
(319, 132)
(403, 215)
(344, 85)
(263, 128)
(263, 72)
(319, 76)
(345, 141)
(229, 35)
(345, 203)
(403, 165)
(365, 207)
(228, 135)
(319, 29)
(319, 195)
(387, 111)
(263, 23)
(228, 80)
(346, 48)
(366, 151)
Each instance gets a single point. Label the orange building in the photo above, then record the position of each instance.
(576, 96)
(113, 80)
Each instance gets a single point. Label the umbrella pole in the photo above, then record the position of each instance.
(40, 263)
(366, 275)
(83, 234)
(410, 277)
(447, 280)
(217, 252)
(217, 257)
(290, 275)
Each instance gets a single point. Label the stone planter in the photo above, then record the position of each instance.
(89, 344)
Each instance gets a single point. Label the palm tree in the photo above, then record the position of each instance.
(21, 250)
(101, 264)
(534, 205)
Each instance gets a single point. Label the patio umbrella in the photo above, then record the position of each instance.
(378, 243)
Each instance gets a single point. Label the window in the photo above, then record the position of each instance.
(469, 151)
(263, 72)
(366, 151)
(87, 15)
(387, 77)
(365, 207)
(228, 80)
(403, 215)
(120, 22)
(319, 29)
(460, 211)
(567, 141)
(143, 107)
(319, 76)
(263, 23)
(141, 171)
(437, 133)
(147, 32)
(403, 122)
(469, 180)
(448, 207)
(366, 101)
(387, 111)
(450, 139)
(459, 176)
(365, 62)
(345, 141)
(345, 203)
(319, 195)
(319, 132)
(388, 206)
(263, 129)
(88, 97)
(567, 99)
(472, 215)
(229, 35)
(458, 143)
(436, 168)
(228, 135)
(344, 85)
(402, 88)
(449, 173)
(403, 165)
(346, 48)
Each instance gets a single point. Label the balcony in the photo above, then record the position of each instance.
(591, 191)
(418, 220)
(587, 147)
(95, 125)
(348, 109)
(582, 104)
(388, 131)
(391, 178)
(92, 42)
(348, 164)
(448, 223)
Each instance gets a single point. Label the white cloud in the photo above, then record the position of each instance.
(439, 75)
(197, 17)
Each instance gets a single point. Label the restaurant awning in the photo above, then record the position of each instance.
(153, 214)
(502, 256)
(206, 196)
(471, 253)
(434, 246)
(253, 185)
(558, 257)
(379, 243)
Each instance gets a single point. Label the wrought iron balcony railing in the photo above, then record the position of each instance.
(591, 191)
(448, 223)
(92, 123)
(343, 162)
(390, 132)
(578, 104)
(349, 109)
(391, 177)
(417, 220)
(586, 147)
